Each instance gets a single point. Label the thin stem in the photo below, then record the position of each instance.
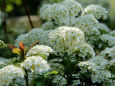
(59, 81)
(26, 77)
(28, 14)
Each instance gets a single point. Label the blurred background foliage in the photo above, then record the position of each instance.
(15, 7)
(17, 21)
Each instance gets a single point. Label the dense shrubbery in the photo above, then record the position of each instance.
(72, 48)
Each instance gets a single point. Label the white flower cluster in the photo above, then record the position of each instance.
(100, 76)
(109, 39)
(97, 66)
(35, 64)
(87, 66)
(71, 13)
(63, 13)
(2, 44)
(74, 9)
(82, 49)
(97, 11)
(99, 61)
(34, 35)
(63, 37)
(88, 24)
(9, 73)
(40, 50)
(43, 12)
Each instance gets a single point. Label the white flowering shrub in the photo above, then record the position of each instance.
(72, 48)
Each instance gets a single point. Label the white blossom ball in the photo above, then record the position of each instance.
(44, 11)
(36, 65)
(9, 73)
(81, 49)
(97, 11)
(88, 24)
(99, 61)
(73, 7)
(40, 50)
(35, 35)
(100, 76)
(63, 37)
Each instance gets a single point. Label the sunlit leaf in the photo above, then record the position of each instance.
(54, 72)
(16, 50)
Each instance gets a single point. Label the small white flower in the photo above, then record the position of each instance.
(40, 50)
(35, 64)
